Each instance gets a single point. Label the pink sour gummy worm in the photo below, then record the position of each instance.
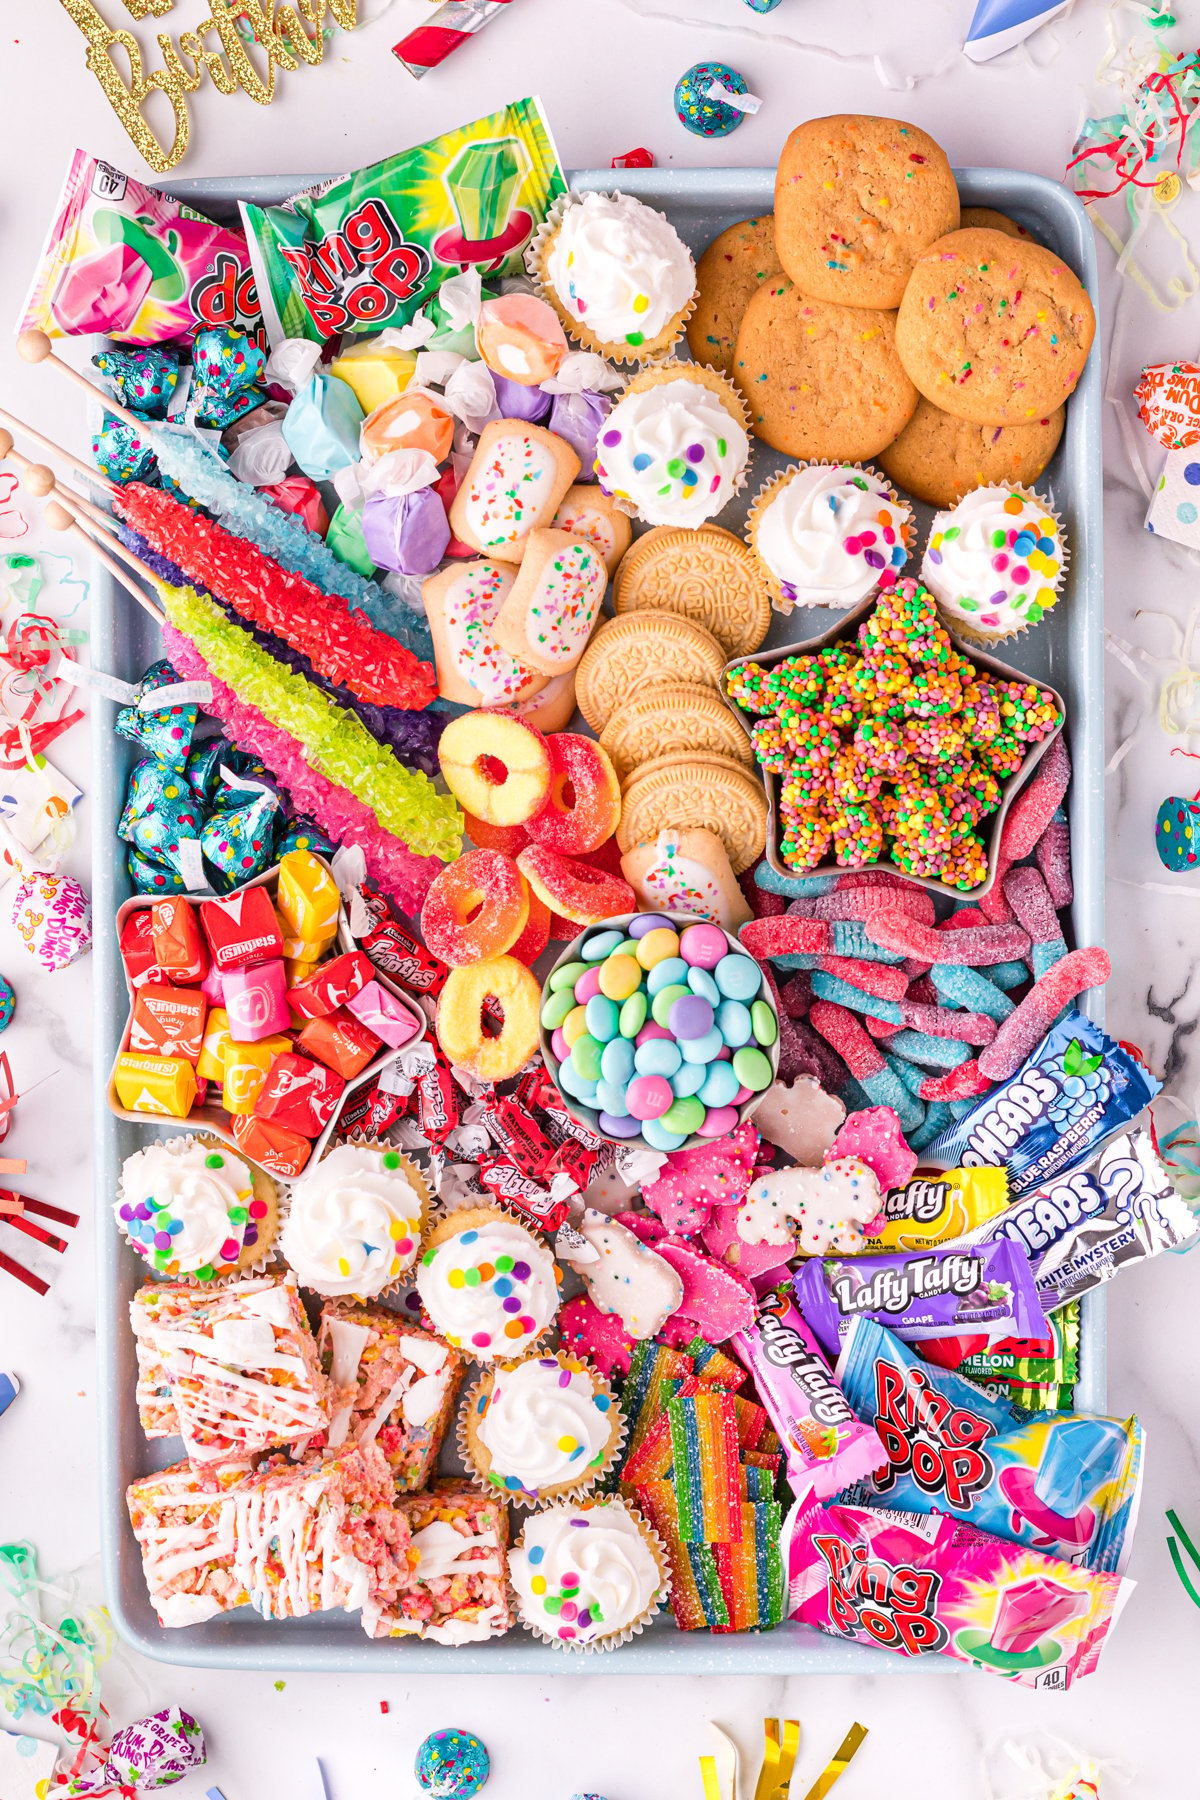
(1024, 1028)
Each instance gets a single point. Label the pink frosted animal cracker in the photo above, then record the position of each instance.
(600, 1337)
(874, 1137)
(801, 1118)
(722, 1239)
(691, 1182)
(621, 1274)
(826, 1208)
(720, 1301)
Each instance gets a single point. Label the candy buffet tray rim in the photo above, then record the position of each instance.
(1067, 651)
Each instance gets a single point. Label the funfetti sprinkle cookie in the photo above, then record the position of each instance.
(857, 199)
(517, 480)
(622, 1276)
(987, 218)
(828, 1207)
(801, 1118)
(938, 458)
(687, 871)
(547, 616)
(474, 669)
(588, 512)
(732, 269)
(994, 329)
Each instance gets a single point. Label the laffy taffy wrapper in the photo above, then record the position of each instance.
(367, 251)
(123, 259)
(936, 1209)
(826, 1445)
(1067, 1485)
(925, 1585)
(307, 900)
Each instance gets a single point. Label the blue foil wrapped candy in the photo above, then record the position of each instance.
(239, 841)
(227, 370)
(167, 732)
(303, 834)
(122, 453)
(144, 380)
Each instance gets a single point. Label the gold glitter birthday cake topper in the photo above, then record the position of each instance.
(282, 37)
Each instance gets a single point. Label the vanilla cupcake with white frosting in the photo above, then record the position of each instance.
(995, 563)
(828, 534)
(588, 1575)
(675, 448)
(489, 1287)
(355, 1221)
(542, 1428)
(617, 273)
(195, 1211)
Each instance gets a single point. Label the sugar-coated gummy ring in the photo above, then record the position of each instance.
(475, 908)
(571, 888)
(583, 806)
(460, 1029)
(536, 935)
(496, 766)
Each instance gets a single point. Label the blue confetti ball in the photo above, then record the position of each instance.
(452, 1765)
(694, 110)
(8, 1004)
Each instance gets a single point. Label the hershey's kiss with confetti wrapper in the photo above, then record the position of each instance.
(53, 918)
(8, 1003)
(165, 730)
(144, 380)
(227, 369)
(151, 1753)
(122, 453)
(1168, 403)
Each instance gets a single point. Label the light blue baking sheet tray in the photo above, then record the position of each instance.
(1065, 650)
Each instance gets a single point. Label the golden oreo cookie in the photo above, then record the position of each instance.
(676, 717)
(706, 575)
(938, 458)
(696, 789)
(994, 329)
(823, 383)
(857, 199)
(643, 649)
(732, 269)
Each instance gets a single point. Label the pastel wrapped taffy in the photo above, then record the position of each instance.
(985, 1287)
(1068, 1486)
(921, 1585)
(165, 1085)
(937, 1209)
(1072, 1091)
(375, 373)
(826, 1446)
(307, 897)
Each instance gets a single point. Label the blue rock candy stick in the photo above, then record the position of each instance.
(971, 990)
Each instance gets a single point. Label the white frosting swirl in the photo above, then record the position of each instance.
(354, 1223)
(195, 1194)
(490, 1290)
(831, 534)
(619, 268)
(574, 1562)
(995, 561)
(674, 450)
(543, 1425)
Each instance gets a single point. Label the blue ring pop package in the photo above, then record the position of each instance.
(1076, 1089)
(1063, 1483)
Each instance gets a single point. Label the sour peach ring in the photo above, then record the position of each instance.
(460, 1028)
(583, 807)
(496, 765)
(477, 907)
(572, 889)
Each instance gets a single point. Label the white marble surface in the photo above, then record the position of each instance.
(606, 73)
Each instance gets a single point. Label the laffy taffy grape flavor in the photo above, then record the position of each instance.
(367, 251)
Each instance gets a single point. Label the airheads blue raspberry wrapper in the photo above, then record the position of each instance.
(1074, 1091)
(1067, 1484)
(1081, 1228)
(977, 1288)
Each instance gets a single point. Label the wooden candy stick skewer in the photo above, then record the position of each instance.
(59, 519)
(56, 450)
(35, 347)
(42, 483)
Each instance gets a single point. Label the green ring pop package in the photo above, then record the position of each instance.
(366, 251)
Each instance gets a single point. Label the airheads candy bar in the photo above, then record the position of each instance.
(826, 1446)
(933, 1209)
(927, 1584)
(985, 1288)
(368, 250)
(1068, 1486)
(1074, 1091)
(125, 260)
(1079, 1229)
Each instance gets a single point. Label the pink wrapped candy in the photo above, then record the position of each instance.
(53, 918)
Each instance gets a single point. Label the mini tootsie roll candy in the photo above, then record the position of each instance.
(1081, 1228)
(826, 1446)
(985, 1288)
(1074, 1091)
(1065, 1485)
(935, 1209)
(925, 1584)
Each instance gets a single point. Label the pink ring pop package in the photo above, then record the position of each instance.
(142, 268)
(925, 1584)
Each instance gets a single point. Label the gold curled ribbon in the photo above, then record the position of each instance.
(779, 1759)
(836, 1767)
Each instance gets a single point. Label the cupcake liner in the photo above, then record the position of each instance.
(981, 640)
(265, 1188)
(614, 1640)
(627, 355)
(416, 1179)
(775, 484)
(675, 370)
(474, 1218)
(568, 1491)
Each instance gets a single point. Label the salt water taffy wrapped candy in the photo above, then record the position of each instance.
(322, 425)
(1064, 1484)
(921, 1585)
(154, 1752)
(53, 919)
